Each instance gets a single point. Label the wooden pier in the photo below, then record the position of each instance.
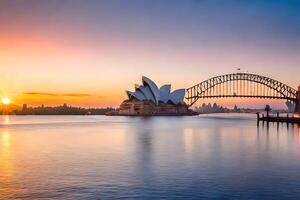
(278, 118)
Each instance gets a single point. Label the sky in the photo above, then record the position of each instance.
(88, 52)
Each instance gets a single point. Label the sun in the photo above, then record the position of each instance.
(5, 100)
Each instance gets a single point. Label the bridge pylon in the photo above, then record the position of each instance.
(297, 107)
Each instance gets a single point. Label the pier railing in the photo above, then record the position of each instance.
(278, 118)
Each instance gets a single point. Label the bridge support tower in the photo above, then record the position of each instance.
(297, 107)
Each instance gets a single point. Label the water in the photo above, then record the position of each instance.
(100, 157)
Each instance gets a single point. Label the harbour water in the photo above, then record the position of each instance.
(221, 156)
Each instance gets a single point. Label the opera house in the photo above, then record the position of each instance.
(148, 99)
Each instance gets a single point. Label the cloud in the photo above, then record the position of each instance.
(76, 95)
(58, 95)
(40, 93)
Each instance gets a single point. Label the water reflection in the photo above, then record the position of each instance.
(189, 140)
(148, 158)
(7, 119)
(6, 164)
(296, 133)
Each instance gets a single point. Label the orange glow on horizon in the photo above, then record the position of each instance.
(115, 100)
(72, 99)
(97, 70)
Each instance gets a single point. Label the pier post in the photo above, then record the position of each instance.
(257, 115)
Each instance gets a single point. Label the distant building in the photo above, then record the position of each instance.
(235, 108)
(148, 99)
(24, 106)
(211, 109)
(291, 106)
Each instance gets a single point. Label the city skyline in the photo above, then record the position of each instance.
(87, 53)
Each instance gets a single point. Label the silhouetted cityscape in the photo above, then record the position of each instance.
(73, 110)
(61, 110)
(215, 108)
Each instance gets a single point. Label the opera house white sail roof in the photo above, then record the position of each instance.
(149, 91)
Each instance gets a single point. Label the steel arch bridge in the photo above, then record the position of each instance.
(242, 85)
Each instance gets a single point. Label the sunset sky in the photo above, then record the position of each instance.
(88, 52)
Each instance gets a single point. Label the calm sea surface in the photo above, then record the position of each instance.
(101, 157)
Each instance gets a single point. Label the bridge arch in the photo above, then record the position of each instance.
(241, 85)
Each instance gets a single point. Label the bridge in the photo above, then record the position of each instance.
(243, 85)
